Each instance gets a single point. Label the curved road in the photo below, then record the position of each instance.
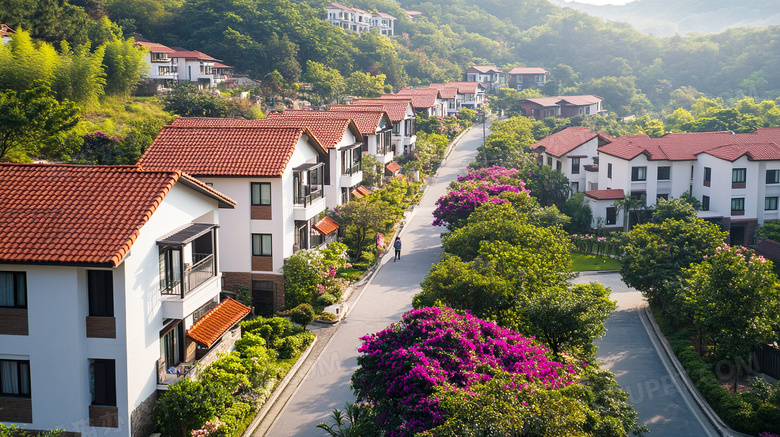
(627, 349)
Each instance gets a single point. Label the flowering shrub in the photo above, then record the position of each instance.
(403, 365)
(495, 173)
(455, 207)
(310, 273)
(605, 246)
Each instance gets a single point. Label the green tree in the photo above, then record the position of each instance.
(734, 295)
(373, 171)
(24, 63)
(327, 83)
(356, 421)
(361, 84)
(656, 253)
(125, 64)
(187, 101)
(674, 209)
(80, 77)
(303, 315)
(508, 144)
(32, 120)
(547, 185)
(363, 219)
(185, 406)
(628, 205)
(770, 229)
(578, 208)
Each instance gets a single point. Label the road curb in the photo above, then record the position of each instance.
(682, 374)
(278, 391)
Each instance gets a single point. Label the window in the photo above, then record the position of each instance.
(549, 161)
(737, 204)
(738, 175)
(261, 245)
(609, 170)
(261, 193)
(770, 203)
(15, 378)
(611, 215)
(705, 203)
(102, 382)
(707, 176)
(773, 176)
(170, 345)
(575, 165)
(13, 290)
(664, 173)
(100, 292)
(575, 187)
(638, 174)
(170, 266)
(558, 165)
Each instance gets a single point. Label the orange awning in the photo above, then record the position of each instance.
(209, 328)
(326, 226)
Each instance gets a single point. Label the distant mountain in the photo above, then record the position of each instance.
(667, 17)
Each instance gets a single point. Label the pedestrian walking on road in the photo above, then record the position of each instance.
(397, 246)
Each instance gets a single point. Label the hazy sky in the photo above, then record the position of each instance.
(604, 2)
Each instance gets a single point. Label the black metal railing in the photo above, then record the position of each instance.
(201, 271)
(352, 170)
(309, 198)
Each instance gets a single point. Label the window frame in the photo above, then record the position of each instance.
(611, 213)
(639, 174)
(707, 176)
(107, 395)
(735, 178)
(738, 200)
(705, 203)
(257, 245)
(19, 380)
(260, 201)
(775, 179)
(575, 165)
(19, 289)
(770, 203)
(609, 170)
(668, 173)
(100, 301)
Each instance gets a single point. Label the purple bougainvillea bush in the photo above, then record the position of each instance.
(455, 207)
(401, 366)
(506, 176)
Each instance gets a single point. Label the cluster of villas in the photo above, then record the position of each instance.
(124, 273)
(359, 20)
(736, 177)
(169, 65)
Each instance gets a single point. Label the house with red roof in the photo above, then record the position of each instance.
(574, 152)
(735, 176)
(521, 78)
(490, 76)
(402, 115)
(277, 172)
(110, 288)
(5, 33)
(168, 65)
(561, 106)
(375, 127)
(358, 20)
(469, 94)
(427, 101)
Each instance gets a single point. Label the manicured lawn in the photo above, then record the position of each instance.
(581, 262)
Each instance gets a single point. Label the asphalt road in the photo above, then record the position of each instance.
(628, 350)
(389, 295)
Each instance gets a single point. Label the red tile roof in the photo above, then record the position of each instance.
(225, 147)
(419, 100)
(393, 167)
(485, 69)
(446, 91)
(328, 127)
(528, 70)
(155, 47)
(180, 52)
(613, 194)
(396, 109)
(326, 226)
(55, 213)
(563, 142)
(357, 194)
(367, 119)
(762, 145)
(5, 30)
(363, 190)
(209, 328)
(547, 102)
(382, 15)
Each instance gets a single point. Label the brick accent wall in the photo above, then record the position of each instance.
(105, 417)
(261, 212)
(16, 410)
(101, 327)
(13, 321)
(233, 279)
(278, 280)
(189, 349)
(262, 263)
(142, 419)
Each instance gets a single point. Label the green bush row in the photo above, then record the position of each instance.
(295, 344)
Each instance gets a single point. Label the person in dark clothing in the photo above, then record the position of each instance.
(397, 246)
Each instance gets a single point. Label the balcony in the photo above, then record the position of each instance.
(194, 276)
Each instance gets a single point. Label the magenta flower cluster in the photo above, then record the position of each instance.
(437, 347)
(495, 173)
(456, 206)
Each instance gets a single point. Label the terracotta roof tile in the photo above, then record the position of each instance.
(393, 167)
(528, 70)
(485, 69)
(54, 213)
(326, 226)
(209, 328)
(585, 100)
(563, 142)
(357, 194)
(613, 194)
(190, 54)
(5, 30)
(328, 127)
(224, 147)
(382, 15)
(466, 87)
(155, 47)
(368, 120)
(395, 108)
(418, 99)
(363, 190)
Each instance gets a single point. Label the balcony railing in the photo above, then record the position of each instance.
(309, 198)
(201, 271)
(354, 169)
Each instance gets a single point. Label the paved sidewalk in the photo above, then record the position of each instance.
(313, 394)
(629, 350)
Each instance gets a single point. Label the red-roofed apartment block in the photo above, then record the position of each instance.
(168, 65)
(561, 106)
(735, 176)
(103, 269)
(490, 76)
(574, 152)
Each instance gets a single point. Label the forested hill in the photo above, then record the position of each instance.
(667, 17)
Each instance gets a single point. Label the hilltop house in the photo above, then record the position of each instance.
(490, 76)
(279, 172)
(561, 106)
(402, 115)
(5, 33)
(359, 20)
(527, 77)
(574, 152)
(374, 125)
(735, 176)
(168, 65)
(109, 290)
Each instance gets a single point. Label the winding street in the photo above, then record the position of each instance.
(323, 382)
